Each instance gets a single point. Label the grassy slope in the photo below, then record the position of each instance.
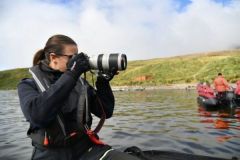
(10, 78)
(181, 69)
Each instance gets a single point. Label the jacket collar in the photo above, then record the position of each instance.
(53, 74)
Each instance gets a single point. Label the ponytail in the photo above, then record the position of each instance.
(55, 44)
(40, 55)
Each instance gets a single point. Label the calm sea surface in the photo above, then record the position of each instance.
(156, 119)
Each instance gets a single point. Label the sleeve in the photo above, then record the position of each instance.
(215, 83)
(41, 108)
(103, 98)
(225, 84)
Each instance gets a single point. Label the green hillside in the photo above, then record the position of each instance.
(174, 70)
(182, 69)
(10, 78)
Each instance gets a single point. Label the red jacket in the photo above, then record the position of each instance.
(221, 84)
(205, 91)
(237, 91)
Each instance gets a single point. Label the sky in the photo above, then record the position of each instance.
(141, 29)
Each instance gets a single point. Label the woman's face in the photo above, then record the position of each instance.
(59, 62)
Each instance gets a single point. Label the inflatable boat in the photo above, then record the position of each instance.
(211, 101)
(169, 155)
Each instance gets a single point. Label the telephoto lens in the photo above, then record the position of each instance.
(108, 62)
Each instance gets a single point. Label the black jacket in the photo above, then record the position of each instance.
(41, 108)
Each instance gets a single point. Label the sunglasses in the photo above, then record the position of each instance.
(69, 56)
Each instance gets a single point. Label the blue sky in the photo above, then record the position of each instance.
(142, 29)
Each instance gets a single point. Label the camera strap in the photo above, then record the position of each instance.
(102, 119)
(92, 134)
(84, 101)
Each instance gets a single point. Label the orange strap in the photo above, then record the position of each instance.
(45, 141)
(93, 137)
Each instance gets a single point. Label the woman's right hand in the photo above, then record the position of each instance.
(78, 64)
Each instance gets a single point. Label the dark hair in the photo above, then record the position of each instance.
(220, 74)
(55, 44)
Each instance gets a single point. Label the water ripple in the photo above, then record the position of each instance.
(159, 120)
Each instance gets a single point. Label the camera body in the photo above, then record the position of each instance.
(108, 62)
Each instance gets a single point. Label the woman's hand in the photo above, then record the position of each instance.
(78, 64)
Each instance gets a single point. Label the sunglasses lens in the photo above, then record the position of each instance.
(72, 56)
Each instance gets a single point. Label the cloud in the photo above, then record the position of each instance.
(141, 29)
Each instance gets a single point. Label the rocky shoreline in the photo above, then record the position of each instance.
(191, 86)
(140, 88)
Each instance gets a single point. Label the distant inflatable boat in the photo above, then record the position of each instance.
(208, 100)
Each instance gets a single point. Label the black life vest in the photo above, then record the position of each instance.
(56, 135)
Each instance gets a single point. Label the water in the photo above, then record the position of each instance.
(157, 119)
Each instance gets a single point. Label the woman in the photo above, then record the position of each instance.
(58, 104)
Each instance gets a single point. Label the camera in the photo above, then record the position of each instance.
(108, 62)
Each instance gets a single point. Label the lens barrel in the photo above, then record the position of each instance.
(107, 62)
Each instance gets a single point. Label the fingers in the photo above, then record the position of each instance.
(83, 55)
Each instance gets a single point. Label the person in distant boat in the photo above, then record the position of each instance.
(208, 90)
(221, 85)
(205, 90)
(237, 93)
(237, 90)
(58, 104)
